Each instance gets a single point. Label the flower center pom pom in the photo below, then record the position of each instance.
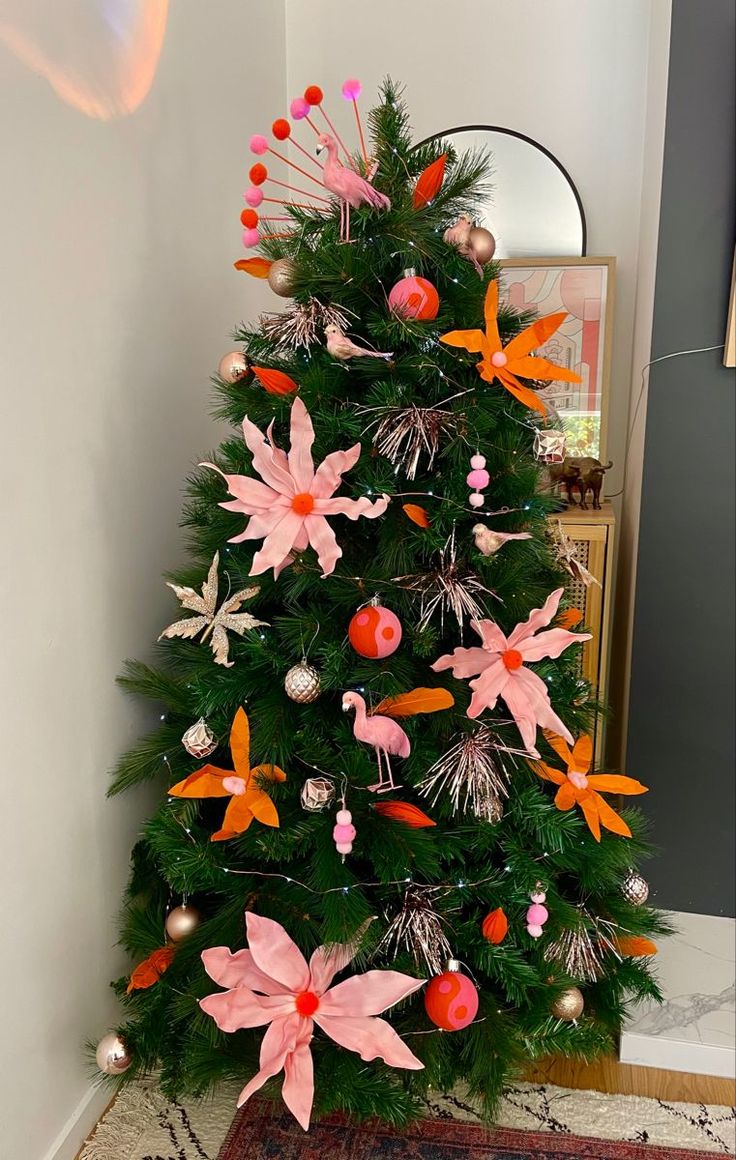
(299, 108)
(313, 95)
(302, 503)
(351, 89)
(498, 359)
(512, 658)
(579, 780)
(234, 785)
(249, 218)
(258, 144)
(307, 1003)
(281, 129)
(258, 173)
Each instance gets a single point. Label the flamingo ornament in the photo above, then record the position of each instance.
(386, 736)
(350, 187)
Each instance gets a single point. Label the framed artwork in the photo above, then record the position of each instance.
(583, 287)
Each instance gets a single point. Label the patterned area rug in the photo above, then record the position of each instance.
(558, 1122)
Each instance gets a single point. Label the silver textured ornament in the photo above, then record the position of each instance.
(302, 683)
(232, 366)
(281, 277)
(634, 888)
(199, 740)
(568, 1005)
(317, 794)
(182, 921)
(112, 1055)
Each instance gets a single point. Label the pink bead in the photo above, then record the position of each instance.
(344, 833)
(299, 108)
(534, 931)
(253, 195)
(351, 89)
(344, 847)
(498, 359)
(251, 238)
(258, 144)
(478, 478)
(537, 914)
(477, 461)
(343, 817)
(476, 499)
(539, 896)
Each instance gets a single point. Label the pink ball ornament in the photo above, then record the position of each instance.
(251, 238)
(258, 144)
(414, 297)
(537, 914)
(478, 478)
(299, 108)
(451, 999)
(351, 89)
(476, 500)
(253, 195)
(344, 832)
(477, 462)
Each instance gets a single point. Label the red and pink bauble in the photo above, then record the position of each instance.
(375, 631)
(414, 297)
(451, 999)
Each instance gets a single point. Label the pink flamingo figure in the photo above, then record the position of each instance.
(352, 189)
(386, 736)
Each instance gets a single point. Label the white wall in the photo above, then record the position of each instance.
(116, 301)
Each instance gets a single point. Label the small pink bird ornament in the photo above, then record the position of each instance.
(350, 187)
(488, 542)
(386, 736)
(343, 348)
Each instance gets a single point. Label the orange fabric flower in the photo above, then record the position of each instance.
(577, 788)
(506, 362)
(247, 800)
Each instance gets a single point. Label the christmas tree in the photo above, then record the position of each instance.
(375, 736)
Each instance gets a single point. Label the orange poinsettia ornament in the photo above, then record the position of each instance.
(506, 362)
(247, 799)
(579, 788)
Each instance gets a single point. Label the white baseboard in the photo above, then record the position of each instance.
(79, 1125)
(677, 1055)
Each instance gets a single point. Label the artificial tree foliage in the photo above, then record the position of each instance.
(314, 893)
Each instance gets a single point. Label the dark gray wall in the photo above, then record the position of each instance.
(682, 694)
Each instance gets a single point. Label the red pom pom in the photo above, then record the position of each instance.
(281, 129)
(313, 95)
(249, 218)
(258, 173)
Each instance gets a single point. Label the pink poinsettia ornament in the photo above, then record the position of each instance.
(499, 669)
(288, 506)
(272, 983)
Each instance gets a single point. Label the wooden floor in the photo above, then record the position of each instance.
(608, 1075)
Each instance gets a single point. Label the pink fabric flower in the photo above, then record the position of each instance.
(289, 507)
(499, 668)
(272, 983)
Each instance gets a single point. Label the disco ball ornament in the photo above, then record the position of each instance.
(634, 888)
(232, 366)
(112, 1055)
(181, 922)
(302, 683)
(375, 631)
(281, 277)
(568, 1005)
(451, 999)
(414, 297)
(317, 794)
(199, 740)
(482, 244)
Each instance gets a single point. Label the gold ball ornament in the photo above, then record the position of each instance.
(482, 244)
(199, 740)
(181, 922)
(302, 683)
(634, 888)
(317, 794)
(112, 1055)
(232, 366)
(569, 1005)
(281, 277)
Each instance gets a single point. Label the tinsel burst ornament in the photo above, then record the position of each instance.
(448, 587)
(635, 888)
(577, 953)
(569, 1005)
(302, 683)
(112, 1055)
(472, 775)
(418, 929)
(317, 794)
(407, 434)
(199, 740)
(302, 325)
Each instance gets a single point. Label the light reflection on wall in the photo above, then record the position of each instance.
(100, 56)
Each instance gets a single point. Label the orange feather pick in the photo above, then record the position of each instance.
(275, 382)
(151, 969)
(635, 946)
(404, 812)
(416, 514)
(495, 926)
(417, 701)
(569, 618)
(429, 182)
(256, 267)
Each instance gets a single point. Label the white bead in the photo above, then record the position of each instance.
(476, 499)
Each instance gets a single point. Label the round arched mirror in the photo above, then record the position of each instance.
(534, 209)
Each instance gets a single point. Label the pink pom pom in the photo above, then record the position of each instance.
(352, 89)
(253, 195)
(537, 914)
(299, 108)
(498, 359)
(343, 817)
(477, 462)
(344, 833)
(258, 144)
(478, 479)
(534, 931)
(539, 896)
(251, 238)
(476, 499)
(344, 847)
